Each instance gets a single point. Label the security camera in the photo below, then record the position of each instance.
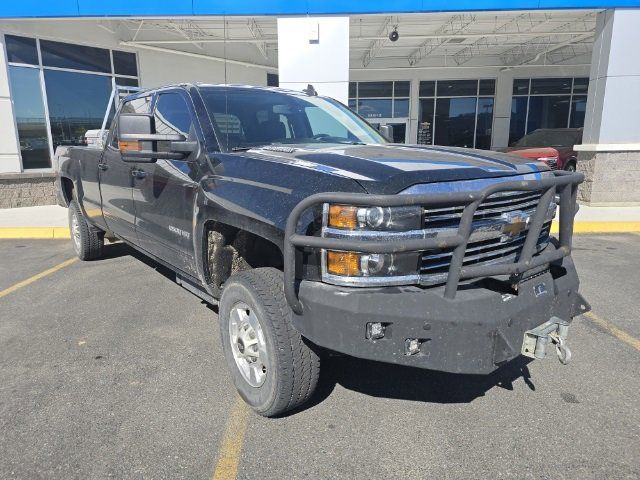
(394, 35)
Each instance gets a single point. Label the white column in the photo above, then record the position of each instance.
(9, 147)
(610, 150)
(502, 109)
(315, 50)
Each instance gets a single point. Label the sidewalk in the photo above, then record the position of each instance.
(51, 221)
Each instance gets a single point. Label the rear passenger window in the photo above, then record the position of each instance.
(172, 115)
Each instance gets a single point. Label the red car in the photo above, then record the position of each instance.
(554, 146)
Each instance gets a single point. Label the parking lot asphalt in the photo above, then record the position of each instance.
(109, 369)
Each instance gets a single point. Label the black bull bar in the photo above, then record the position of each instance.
(562, 183)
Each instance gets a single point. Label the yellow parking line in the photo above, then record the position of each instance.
(613, 330)
(601, 227)
(34, 232)
(37, 277)
(229, 455)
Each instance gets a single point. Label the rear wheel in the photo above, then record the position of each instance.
(87, 241)
(273, 368)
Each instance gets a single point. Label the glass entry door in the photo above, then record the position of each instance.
(400, 128)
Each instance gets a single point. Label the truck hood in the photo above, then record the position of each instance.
(391, 168)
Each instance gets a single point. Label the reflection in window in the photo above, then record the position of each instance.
(389, 99)
(172, 115)
(77, 103)
(29, 111)
(21, 49)
(549, 111)
(518, 122)
(484, 123)
(375, 107)
(124, 63)
(425, 121)
(578, 109)
(76, 57)
(455, 121)
(457, 115)
(549, 103)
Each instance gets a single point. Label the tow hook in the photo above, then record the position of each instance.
(553, 331)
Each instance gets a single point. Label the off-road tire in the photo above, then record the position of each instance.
(294, 367)
(86, 240)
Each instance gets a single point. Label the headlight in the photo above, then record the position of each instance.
(352, 264)
(348, 217)
(374, 223)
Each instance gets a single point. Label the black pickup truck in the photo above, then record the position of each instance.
(311, 232)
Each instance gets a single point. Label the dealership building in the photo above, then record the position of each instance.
(470, 74)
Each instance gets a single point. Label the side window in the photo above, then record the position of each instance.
(137, 105)
(172, 115)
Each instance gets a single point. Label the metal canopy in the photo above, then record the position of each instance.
(426, 40)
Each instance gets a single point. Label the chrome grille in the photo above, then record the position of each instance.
(487, 243)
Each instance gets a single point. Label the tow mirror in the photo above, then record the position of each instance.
(387, 132)
(138, 143)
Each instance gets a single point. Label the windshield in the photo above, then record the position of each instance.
(549, 138)
(247, 118)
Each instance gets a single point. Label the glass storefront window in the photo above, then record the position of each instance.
(457, 88)
(578, 109)
(124, 63)
(76, 57)
(375, 107)
(549, 111)
(372, 100)
(77, 102)
(74, 98)
(484, 124)
(455, 121)
(28, 105)
(425, 121)
(460, 113)
(518, 122)
(549, 103)
(21, 50)
(550, 86)
(521, 86)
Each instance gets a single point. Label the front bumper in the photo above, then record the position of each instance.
(476, 332)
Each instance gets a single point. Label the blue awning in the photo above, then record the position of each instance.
(119, 8)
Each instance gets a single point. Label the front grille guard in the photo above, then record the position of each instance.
(562, 183)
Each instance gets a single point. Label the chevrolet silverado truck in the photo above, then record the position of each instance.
(312, 233)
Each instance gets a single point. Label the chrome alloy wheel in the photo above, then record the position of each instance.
(248, 344)
(75, 231)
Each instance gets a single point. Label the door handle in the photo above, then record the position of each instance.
(103, 166)
(137, 173)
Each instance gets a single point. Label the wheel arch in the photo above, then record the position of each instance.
(225, 245)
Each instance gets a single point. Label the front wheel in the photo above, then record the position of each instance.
(273, 368)
(571, 167)
(87, 241)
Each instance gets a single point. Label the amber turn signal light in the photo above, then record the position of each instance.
(125, 146)
(343, 216)
(343, 263)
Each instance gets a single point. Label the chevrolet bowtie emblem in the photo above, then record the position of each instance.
(515, 223)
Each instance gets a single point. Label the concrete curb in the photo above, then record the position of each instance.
(56, 233)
